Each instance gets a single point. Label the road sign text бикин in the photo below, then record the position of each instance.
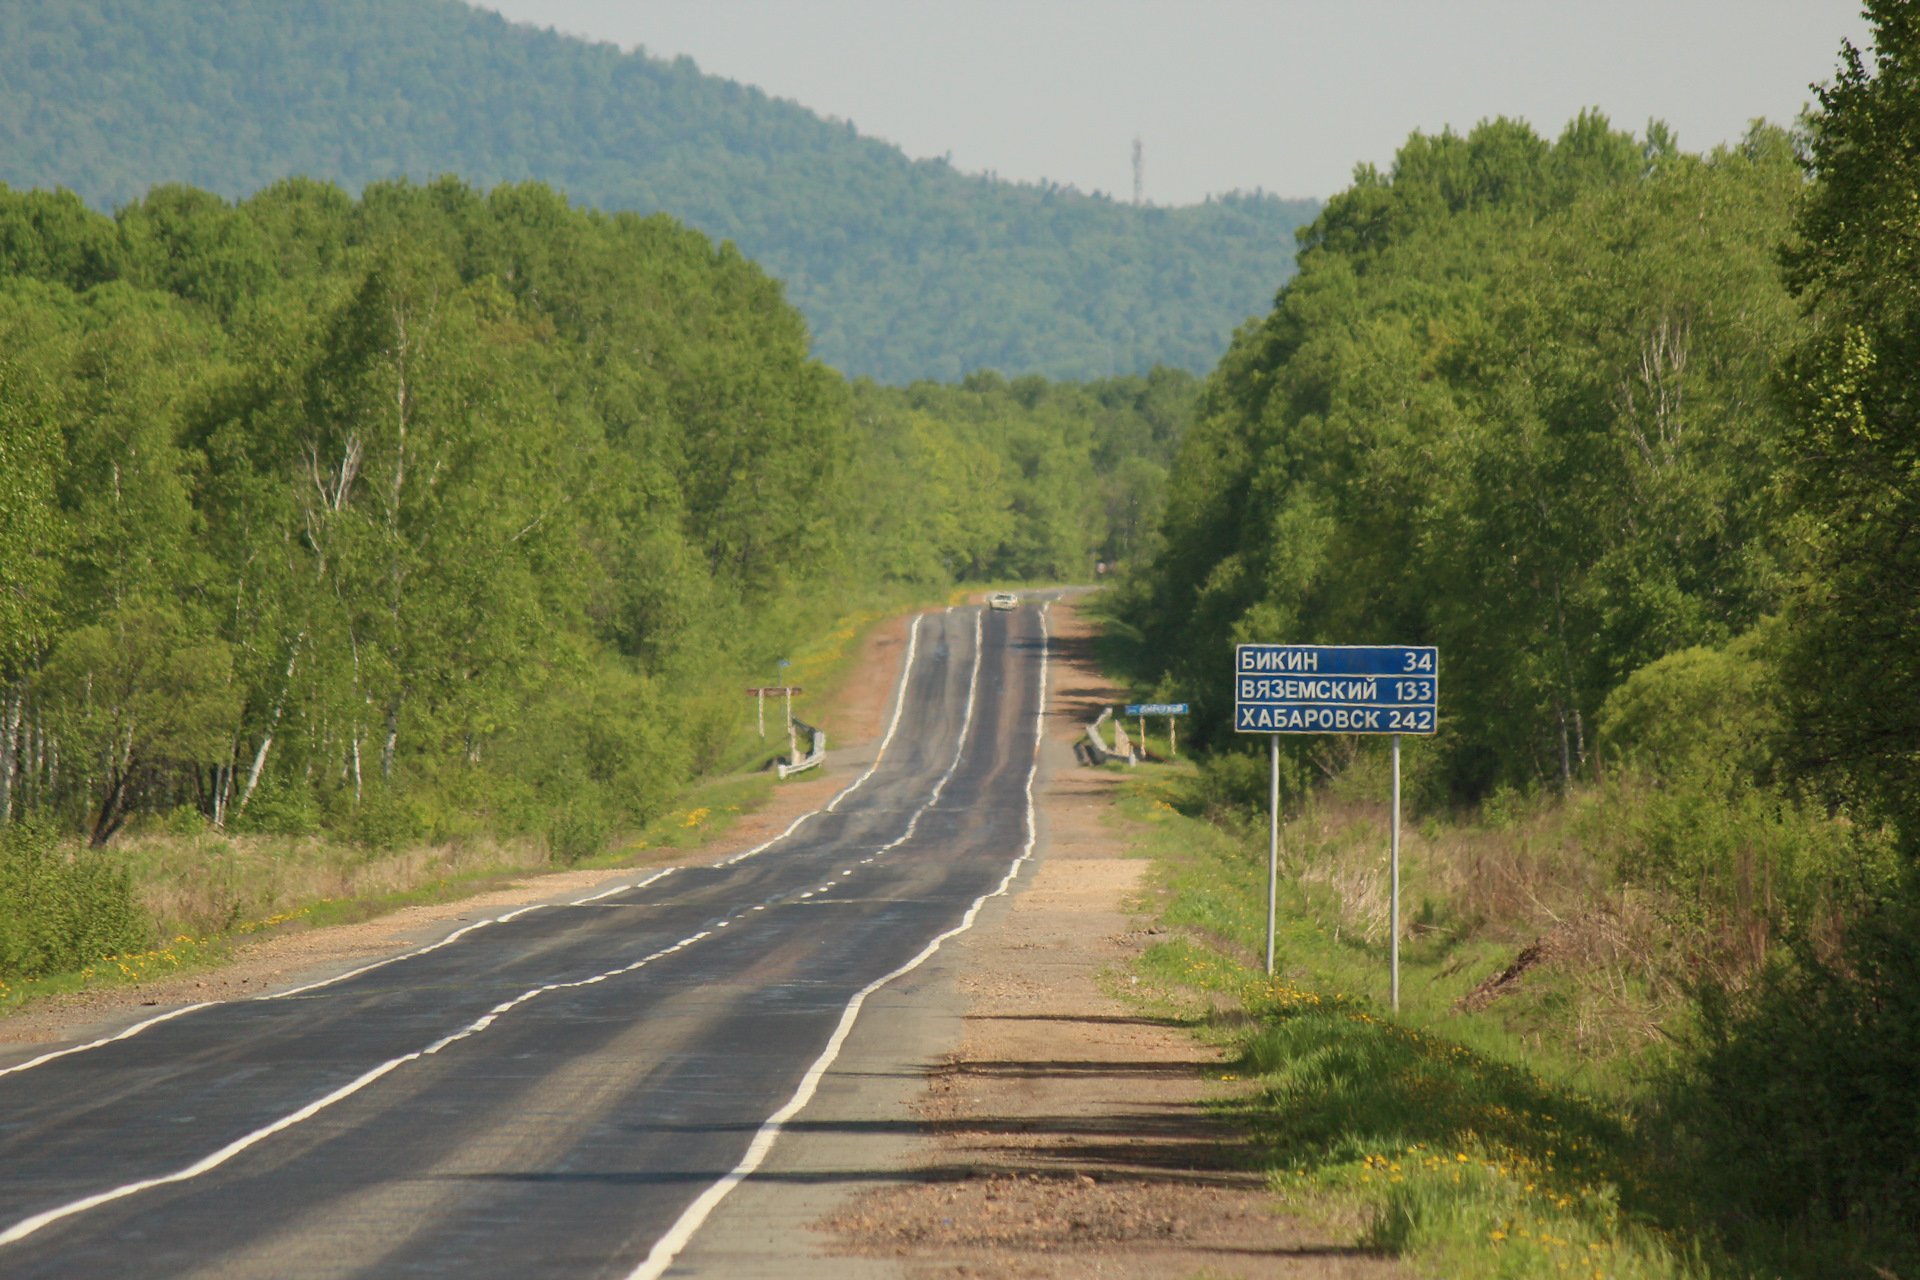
(1335, 688)
(1313, 688)
(1157, 709)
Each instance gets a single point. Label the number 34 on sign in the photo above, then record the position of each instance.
(1312, 688)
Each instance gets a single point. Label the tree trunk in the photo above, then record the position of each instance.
(112, 809)
(222, 793)
(1566, 757)
(393, 741)
(273, 723)
(253, 774)
(9, 736)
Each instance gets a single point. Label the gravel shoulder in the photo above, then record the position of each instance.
(1064, 1134)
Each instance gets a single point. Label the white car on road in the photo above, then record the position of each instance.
(1003, 600)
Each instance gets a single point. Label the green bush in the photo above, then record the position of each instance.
(577, 830)
(1708, 824)
(1803, 1103)
(603, 752)
(1700, 708)
(386, 820)
(279, 807)
(1240, 780)
(59, 911)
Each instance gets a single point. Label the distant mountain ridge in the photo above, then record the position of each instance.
(905, 268)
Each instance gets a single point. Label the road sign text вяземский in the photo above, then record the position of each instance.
(1301, 688)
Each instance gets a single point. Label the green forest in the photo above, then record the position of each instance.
(443, 510)
(375, 510)
(1630, 434)
(905, 269)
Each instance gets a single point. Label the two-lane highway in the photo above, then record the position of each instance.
(561, 1091)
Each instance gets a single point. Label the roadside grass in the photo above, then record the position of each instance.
(213, 883)
(184, 954)
(703, 815)
(1476, 1144)
(207, 892)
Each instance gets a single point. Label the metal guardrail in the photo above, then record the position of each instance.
(1095, 748)
(818, 739)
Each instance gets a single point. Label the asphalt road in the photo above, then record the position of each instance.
(565, 1091)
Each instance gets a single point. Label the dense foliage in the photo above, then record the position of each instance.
(1514, 404)
(1807, 1092)
(1856, 448)
(906, 269)
(57, 911)
(440, 510)
(1631, 435)
(326, 494)
(1021, 479)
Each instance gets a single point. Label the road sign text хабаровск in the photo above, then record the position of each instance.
(1319, 688)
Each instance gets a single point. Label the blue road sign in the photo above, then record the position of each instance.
(1347, 688)
(1157, 709)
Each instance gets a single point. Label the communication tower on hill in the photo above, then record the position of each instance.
(1139, 170)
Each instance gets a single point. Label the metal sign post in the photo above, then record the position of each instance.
(1273, 839)
(1394, 925)
(1167, 709)
(1308, 688)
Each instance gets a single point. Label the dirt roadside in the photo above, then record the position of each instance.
(858, 711)
(1066, 1136)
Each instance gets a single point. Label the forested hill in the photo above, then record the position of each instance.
(905, 269)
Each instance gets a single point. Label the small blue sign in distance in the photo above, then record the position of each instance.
(1344, 688)
(1157, 709)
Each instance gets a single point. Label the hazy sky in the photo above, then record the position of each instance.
(1225, 94)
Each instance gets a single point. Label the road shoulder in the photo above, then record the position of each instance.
(1002, 1112)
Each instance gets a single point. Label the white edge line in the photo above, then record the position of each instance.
(959, 751)
(138, 1027)
(27, 1226)
(677, 1237)
(899, 705)
(133, 1030)
(619, 888)
(455, 936)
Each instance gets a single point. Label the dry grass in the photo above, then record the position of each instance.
(1610, 971)
(1629, 901)
(208, 883)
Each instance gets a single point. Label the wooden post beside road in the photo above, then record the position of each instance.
(789, 692)
(1168, 709)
